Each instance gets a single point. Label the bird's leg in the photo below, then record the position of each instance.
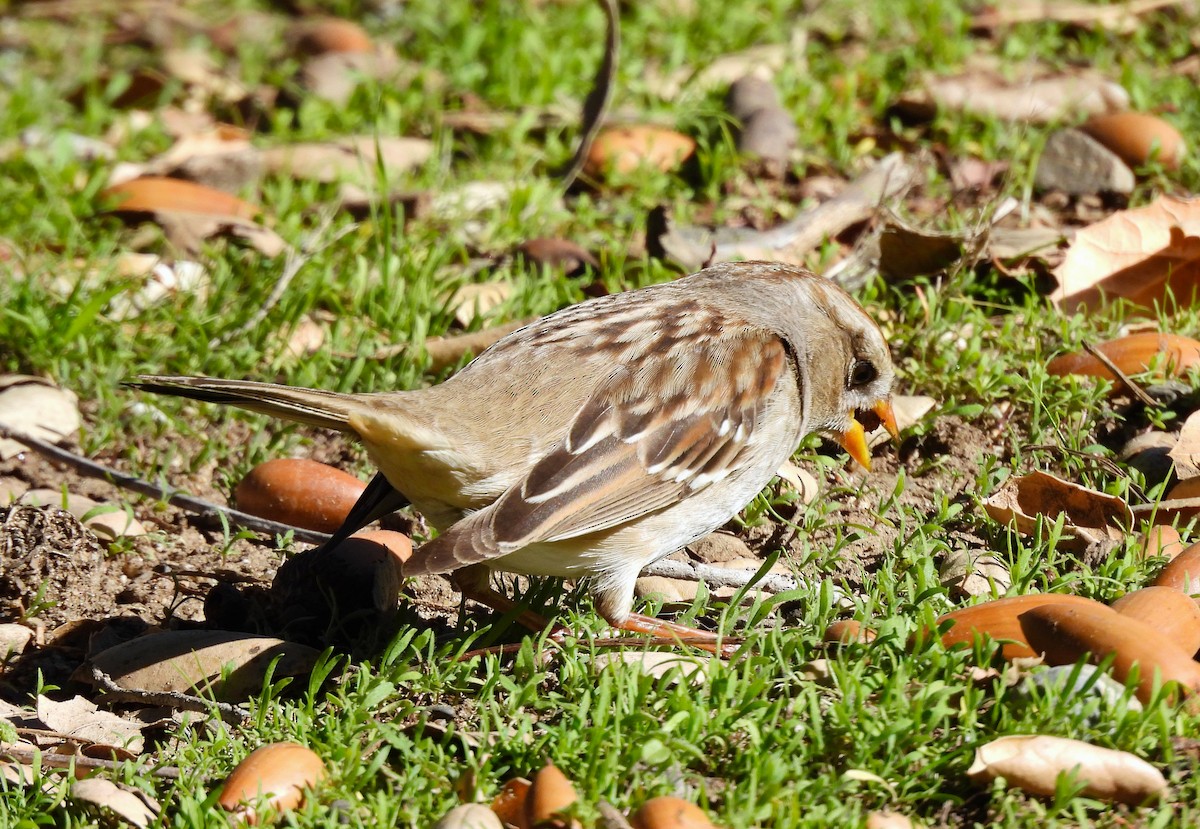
(711, 642)
(475, 584)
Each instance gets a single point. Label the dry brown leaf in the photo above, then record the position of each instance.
(38, 408)
(182, 660)
(82, 720)
(1034, 763)
(110, 799)
(799, 481)
(906, 251)
(196, 68)
(355, 158)
(469, 816)
(889, 820)
(658, 664)
(478, 299)
(967, 575)
(1134, 254)
(220, 156)
(1036, 100)
(153, 194)
(1089, 516)
(1186, 452)
(1121, 18)
(1171, 354)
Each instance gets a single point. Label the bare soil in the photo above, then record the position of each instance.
(80, 594)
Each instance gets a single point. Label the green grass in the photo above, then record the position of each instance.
(760, 742)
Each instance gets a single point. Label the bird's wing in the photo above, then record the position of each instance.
(650, 435)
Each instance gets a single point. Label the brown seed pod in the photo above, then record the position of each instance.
(278, 771)
(1135, 136)
(550, 792)
(1132, 355)
(300, 492)
(999, 620)
(1066, 633)
(845, 631)
(1173, 614)
(669, 813)
(1183, 572)
(1161, 540)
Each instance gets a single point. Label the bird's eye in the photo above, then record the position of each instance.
(862, 372)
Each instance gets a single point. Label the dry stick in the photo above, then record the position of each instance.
(597, 101)
(1079, 14)
(29, 757)
(446, 351)
(296, 260)
(1122, 376)
(197, 506)
(230, 713)
(692, 246)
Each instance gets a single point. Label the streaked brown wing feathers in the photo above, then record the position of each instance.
(642, 442)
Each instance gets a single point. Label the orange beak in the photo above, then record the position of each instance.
(854, 439)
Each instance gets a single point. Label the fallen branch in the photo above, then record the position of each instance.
(691, 247)
(196, 506)
(446, 351)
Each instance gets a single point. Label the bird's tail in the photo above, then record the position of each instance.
(312, 406)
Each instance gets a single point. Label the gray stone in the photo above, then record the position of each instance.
(1077, 164)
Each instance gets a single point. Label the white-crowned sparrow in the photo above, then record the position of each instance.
(611, 433)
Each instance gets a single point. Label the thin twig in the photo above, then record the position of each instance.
(446, 351)
(614, 642)
(1120, 375)
(29, 757)
(313, 244)
(230, 713)
(196, 506)
(719, 576)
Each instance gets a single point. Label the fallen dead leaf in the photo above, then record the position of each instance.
(357, 158)
(107, 797)
(657, 664)
(1171, 354)
(478, 299)
(182, 660)
(153, 194)
(38, 408)
(1034, 100)
(1035, 762)
(1186, 452)
(1120, 18)
(1136, 255)
(981, 575)
(906, 251)
(1089, 516)
(82, 720)
(469, 816)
